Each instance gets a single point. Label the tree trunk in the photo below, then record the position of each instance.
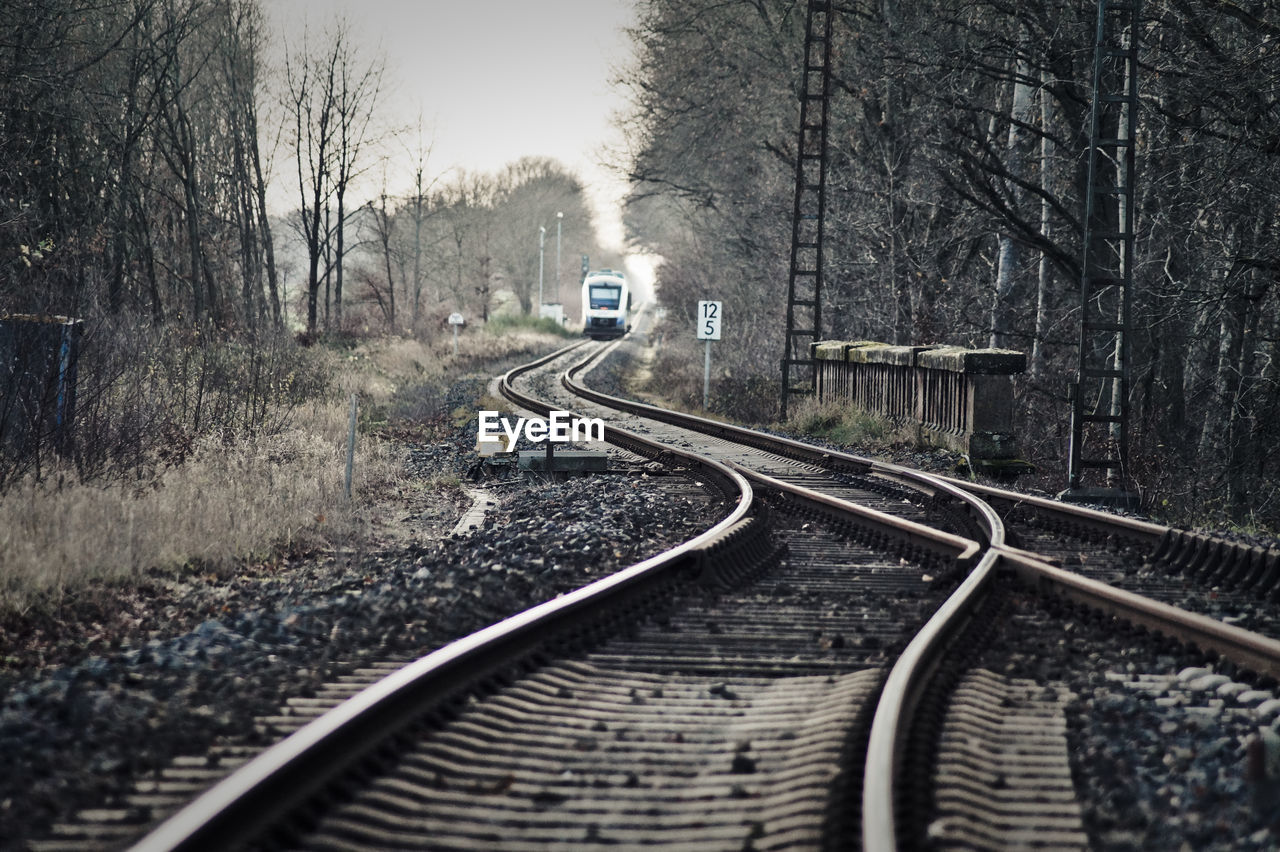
(264, 232)
(1008, 272)
(1035, 367)
(417, 249)
(337, 257)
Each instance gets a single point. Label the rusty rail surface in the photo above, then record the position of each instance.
(295, 771)
(304, 764)
(910, 676)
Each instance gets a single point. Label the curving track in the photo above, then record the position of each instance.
(806, 674)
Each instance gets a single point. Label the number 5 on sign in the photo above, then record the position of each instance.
(709, 320)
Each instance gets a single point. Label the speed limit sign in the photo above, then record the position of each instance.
(709, 314)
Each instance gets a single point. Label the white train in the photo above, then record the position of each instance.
(606, 304)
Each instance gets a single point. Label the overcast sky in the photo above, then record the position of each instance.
(494, 81)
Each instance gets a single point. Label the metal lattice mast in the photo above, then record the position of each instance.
(1100, 402)
(804, 281)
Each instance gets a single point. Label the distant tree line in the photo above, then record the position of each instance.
(958, 140)
(456, 243)
(138, 142)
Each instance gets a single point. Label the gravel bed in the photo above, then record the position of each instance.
(195, 659)
(1159, 738)
(1168, 750)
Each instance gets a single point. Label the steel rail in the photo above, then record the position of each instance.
(300, 767)
(914, 667)
(900, 698)
(944, 544)
(786, 447)
(1158, 537)
(910, 676)
(294, 770)
(986, 518)
(1180, 549)
(1246, 649)
(1145, 532)
(1211, 559)
(911, 673)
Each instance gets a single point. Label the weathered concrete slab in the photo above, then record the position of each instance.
(829, 350)
(980, 362)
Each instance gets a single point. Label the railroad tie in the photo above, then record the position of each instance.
(1004, 774)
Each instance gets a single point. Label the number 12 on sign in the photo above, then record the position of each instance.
(709, 314)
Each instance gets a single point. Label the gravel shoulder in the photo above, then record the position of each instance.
(1159, 736)
(117, 681)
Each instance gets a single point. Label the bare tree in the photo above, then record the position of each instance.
(527, 195)
(241, 47)
(311, 84)
(384, 228)
(418, 208)
(356, 104)
(332, 100)
(956, 193)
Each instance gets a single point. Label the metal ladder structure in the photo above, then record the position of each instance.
(804, 281)
(1100, 395)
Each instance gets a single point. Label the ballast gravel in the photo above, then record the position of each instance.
(220, 652)
(1170, 749)
(1160, 736)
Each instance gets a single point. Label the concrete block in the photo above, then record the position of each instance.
(565, 461)
(982, 362)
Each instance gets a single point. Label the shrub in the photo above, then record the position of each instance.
(839, 423)
(147, 394)
(506, 323)
(227, 502)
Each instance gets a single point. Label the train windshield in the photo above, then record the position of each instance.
(605, 296)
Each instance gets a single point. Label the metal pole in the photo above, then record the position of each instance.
(806, 275)
(455, 341)
(706, 377)
(559, 222)
(542, 238)
(351, 445)
(1099, 405)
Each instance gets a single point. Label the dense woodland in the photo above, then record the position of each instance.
(140, 144)
(140, 139)
(958, 141)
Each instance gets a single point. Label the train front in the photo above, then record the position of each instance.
(605, 301)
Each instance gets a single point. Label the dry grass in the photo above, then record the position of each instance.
(229, 500)
(225, 504)
(376, 369)
(484, 345)
(840, 424)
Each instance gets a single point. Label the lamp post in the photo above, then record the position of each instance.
(542, 237)
(559, 222)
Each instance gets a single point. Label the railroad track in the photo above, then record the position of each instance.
(827, 667)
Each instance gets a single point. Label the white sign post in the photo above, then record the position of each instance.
(709, 315)
(455, 320)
